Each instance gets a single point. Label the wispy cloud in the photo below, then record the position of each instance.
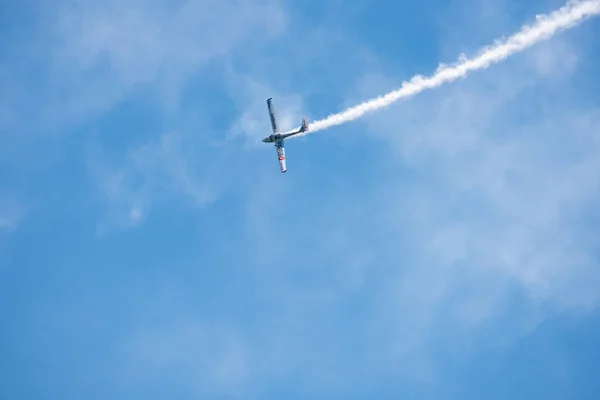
(454, 221)
(87, 56)
(83, 59)
(212, 360)
(507, 174)
(172, 168)
(11, 213)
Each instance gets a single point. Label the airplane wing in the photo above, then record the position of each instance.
(272, 115)
(281, 155)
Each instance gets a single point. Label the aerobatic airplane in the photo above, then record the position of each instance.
(277, 137)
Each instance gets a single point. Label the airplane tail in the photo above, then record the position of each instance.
(304, 126)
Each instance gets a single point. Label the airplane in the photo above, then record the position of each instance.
(278, 138)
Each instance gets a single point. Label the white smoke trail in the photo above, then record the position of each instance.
(546, 26)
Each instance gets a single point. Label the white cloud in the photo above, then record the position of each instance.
(87, 56)
(145, 41)
(96, 54)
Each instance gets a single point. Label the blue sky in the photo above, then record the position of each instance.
(445, 247)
